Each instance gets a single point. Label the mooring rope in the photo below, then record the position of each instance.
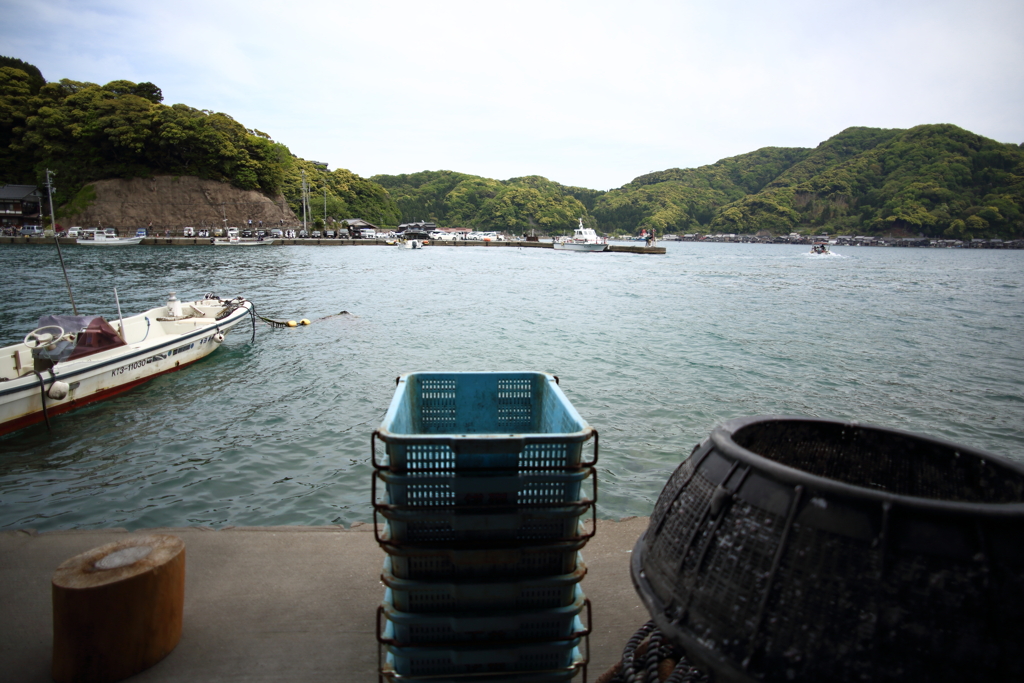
(644, 668)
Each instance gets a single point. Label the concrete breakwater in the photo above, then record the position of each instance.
(199, 241)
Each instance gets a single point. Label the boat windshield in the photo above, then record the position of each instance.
(93, 334)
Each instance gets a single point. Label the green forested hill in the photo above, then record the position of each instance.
(458, 199)
(931, 180)
(87, 132)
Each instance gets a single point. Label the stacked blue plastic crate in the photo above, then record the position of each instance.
(483, 491)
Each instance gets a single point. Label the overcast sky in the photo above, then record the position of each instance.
(588, 93)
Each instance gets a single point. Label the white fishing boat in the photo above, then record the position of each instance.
(99, 238)
(413, 239)
(583, 239)
(71, 361)
(235, 241)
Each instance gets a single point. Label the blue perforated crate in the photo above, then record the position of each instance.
(417, 628)
(484, 658)
(460, 420)
(476, 562)
(404, 660)
(422, 489)
(454, 525)
(546, 592)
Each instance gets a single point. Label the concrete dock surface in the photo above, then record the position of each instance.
(276, 603)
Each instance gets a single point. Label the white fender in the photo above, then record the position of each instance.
(58, 391)
(218, 337)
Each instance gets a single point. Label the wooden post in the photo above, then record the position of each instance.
(117, 609)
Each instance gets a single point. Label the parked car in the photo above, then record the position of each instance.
(330, 234)
(316, 234)
(141, 232)
(74, 232)
(31, 231)
(368, 233)
(276, 234)
(188, 232)
(247, 233)
(232, 232)
(303, 234)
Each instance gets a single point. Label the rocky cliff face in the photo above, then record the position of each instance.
(172, 202)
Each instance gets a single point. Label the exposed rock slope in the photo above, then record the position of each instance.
(171, 202)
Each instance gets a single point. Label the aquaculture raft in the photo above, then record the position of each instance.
(482, 487)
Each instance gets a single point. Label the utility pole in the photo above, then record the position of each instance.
(53, 225)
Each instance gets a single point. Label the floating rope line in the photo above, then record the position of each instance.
(328, 317)
(283, 323)
(296, 323)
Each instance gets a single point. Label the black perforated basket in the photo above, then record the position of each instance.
(790, 548)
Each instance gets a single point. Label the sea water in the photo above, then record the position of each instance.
(653, 351)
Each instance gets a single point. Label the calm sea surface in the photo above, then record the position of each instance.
(654, 351)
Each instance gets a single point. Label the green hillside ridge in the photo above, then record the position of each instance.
(931, 180)
(87, 132)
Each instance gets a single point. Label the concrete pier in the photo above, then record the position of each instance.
(276, 603)
(323, 242)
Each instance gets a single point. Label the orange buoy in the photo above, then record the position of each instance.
(117, 609)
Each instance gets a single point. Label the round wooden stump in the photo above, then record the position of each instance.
(117, 609)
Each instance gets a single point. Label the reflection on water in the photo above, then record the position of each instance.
(654, 351)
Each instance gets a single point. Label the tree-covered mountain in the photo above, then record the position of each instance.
(930, 180)
(933, 180)
(86, 132)
(517, 204)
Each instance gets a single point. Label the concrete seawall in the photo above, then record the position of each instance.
(277, 603)
(199, 241)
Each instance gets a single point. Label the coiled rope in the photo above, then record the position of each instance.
(644, 654)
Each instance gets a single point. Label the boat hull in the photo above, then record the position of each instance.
(241, 243)
(175, 344)
(124, 242)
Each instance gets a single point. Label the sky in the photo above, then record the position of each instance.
(585, 93)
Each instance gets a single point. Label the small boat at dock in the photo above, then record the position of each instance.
(71, 361)
(100, 238)
(236, 241)
(583, 239)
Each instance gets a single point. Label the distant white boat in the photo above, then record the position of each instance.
(583, 239)
(99, 238)
(235, 241)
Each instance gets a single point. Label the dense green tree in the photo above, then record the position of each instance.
(35, 77)
(86, 132)
(457, 199)
(347, 194)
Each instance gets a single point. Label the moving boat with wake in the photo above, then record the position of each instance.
(69, 361)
